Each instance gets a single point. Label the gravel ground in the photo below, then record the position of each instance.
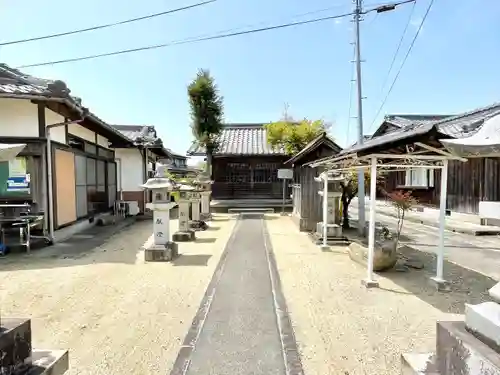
(115, 313)
(343, 328)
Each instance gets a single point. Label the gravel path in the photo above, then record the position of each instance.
(115, 313)
(341, 327)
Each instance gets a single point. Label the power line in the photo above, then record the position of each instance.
(105, 26)
(398, 47)
(404, 61)
(186, 41)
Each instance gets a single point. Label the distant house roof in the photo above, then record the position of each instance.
(322, 139)
(144, 135)
(240, 139)
(18, 85)
(465, 124)
(397, 121)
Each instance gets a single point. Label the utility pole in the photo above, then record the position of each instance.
(361, 172)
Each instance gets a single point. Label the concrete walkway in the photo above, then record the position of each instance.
(242, 326)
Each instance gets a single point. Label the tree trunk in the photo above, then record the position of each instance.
(345, 213)
(208, 164)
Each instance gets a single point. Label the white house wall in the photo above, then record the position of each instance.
(102, 141)
(57, 133)
(81, 132)
(18, 118)
(131, 168)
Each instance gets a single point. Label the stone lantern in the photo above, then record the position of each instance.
(185, 233)
(203, 182)
(162, 248)
(331, 193)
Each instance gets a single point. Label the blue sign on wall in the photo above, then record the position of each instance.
(18, 183)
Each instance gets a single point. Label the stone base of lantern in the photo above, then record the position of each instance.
(161, 253)
(198, 225)
(184, 236)
(205, 216)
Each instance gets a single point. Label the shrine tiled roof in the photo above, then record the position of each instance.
(240, 139)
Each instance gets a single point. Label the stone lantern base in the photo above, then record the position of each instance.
(198, 225)
(205, 216)
(186, 236)
(161, 253)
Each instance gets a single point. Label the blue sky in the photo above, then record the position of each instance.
(453, 66)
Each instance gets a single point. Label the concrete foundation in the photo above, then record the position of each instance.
(184, 236)
(470, 347)
(17, 356)
(161, 253)
(440, 284)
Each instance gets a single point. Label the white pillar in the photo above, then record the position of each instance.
(369, 282)
(161, 225)
(325, 209)
(442, 222)
(205, 202)
(195, 207)
(183, 216)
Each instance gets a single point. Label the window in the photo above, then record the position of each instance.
(419, 177)
(81, 186)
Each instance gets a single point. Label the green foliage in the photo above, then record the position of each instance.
(207, 110)
(293, 136)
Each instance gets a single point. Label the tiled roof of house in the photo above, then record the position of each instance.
(323, 138)
(402, 120)
(467, 123)
(136, 131)
(240, 139)
(15, 84)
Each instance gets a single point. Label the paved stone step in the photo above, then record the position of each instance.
(460, 352)
(15, 343)
(418, 364)
(49, 362)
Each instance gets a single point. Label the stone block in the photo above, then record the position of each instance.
(161, 253)
(333, 230)
(460, 352)
(495, 293)
(384, 258)
(198, 225)
(418, 364)
(184, 236)
(205, 216)
(440, 284)
(15, 345)
(484, 321)
(49, 362)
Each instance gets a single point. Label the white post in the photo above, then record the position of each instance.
(161, 226)
(369, 282)
(50, 196)
(183, 215)
(325, 209)
(442, 221)
(205, 202)
(196, 209)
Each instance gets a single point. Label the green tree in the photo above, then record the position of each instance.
(292, 136)
(207, 113)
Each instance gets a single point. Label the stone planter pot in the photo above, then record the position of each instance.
(385, 255)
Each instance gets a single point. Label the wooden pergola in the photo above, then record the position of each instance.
(405, 149)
